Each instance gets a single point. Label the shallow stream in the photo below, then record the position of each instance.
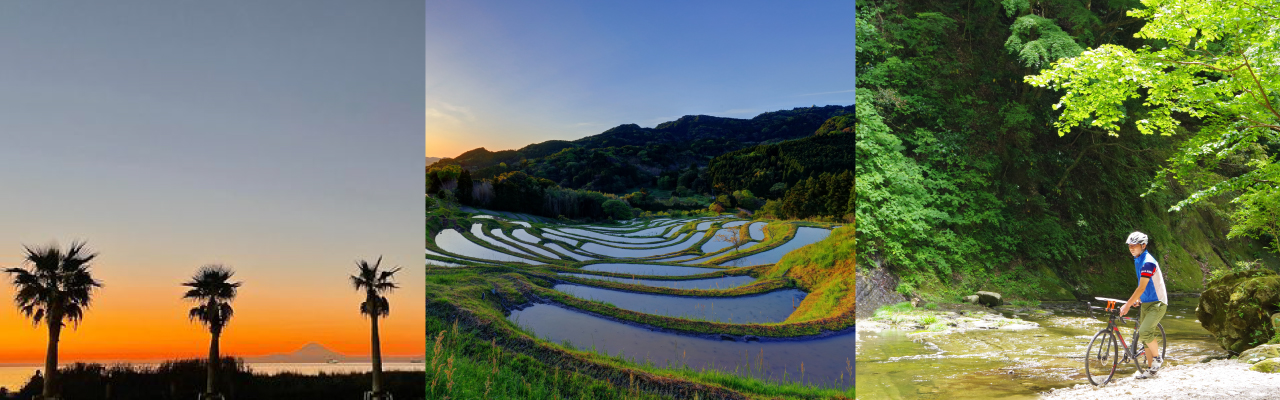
(1007, 364)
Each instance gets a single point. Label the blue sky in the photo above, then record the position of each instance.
(502, 75)
(277, 137)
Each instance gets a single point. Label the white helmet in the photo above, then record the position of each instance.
(1137, 238)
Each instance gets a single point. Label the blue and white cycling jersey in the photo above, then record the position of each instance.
(1146, 266)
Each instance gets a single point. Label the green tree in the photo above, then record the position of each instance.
(433, 183)
(1214, 62)
(376, 284)
(617, 209)
(465, 185)
(212, 291)
(56, 288)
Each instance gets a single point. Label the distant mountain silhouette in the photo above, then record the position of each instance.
(317, 353)
(629, 156)
(432, 160)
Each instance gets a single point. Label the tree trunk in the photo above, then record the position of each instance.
(213, 363)
(376, 352)
(51, 358)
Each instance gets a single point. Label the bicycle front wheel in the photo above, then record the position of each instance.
(1101, 358)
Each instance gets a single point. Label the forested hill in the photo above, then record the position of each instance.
(964, 183)
(629, 156)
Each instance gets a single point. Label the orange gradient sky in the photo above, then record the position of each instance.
(278, 138)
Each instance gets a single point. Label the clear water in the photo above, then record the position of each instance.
(724, 282)
(827, 361)
(1008, 364)
(804, 237)
(525, 236)
(606, 238)
(649, 269)
(757, 230)
(571, 242)
(774, 306)
(453, 242)
(478, 231)
(631, 253)
(561, 249)
(498, 233)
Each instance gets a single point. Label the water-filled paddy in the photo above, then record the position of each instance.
(498, 233)
(648, 269)
(634, 253)
(724, 282)
(571, 242)
(453, 242)
(478, 231)
(827, 361)
(604, 237)
(804, 237)
(769, 307)
(566, 252)
(525, 236)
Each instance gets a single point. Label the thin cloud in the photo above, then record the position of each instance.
(451, 113)
(815, 94)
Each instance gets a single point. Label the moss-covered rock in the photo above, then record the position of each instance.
(1237, 307)
(1260, 353)
(1271, 365)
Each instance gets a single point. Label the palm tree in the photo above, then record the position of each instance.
(57, 287)
(374, 283)
(213, 293)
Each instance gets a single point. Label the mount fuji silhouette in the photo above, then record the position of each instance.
(317, 353)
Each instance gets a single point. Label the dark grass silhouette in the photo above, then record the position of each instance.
(185, 379)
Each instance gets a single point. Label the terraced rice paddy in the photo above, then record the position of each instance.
(662, 293)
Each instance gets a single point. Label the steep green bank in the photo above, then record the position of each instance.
(964, 184)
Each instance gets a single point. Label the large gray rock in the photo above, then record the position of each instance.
(990, 299)
(1260, 353)
(1237, 308)
(971, 299)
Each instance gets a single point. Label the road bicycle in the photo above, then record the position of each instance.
(1103, 355)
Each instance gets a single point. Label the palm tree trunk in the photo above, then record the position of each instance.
(51, 358)
(213, 363)
(377, 356)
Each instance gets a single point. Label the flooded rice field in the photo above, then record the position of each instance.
(769, 307)
(826, 361)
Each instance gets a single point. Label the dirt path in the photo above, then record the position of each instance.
(1221, 379)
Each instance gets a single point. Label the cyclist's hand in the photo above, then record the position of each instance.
(1124, 309)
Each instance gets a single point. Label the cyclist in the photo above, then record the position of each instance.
(1151, 295)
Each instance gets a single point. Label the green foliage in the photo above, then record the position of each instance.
(517, 191)
(1258, 215)
(1212, 64)
(617, 209)
(762, 168)
(960, 182)
(433, 182)
(745, 199)
(626, 156)
(465, 186)
(839, 124)
(1050, 44)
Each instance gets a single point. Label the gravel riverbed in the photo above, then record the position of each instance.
(1220, 379)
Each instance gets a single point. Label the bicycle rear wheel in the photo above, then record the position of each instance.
(1101, 358)
(1141, 347)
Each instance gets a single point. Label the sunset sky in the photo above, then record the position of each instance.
(278, 138)
(502, 75)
